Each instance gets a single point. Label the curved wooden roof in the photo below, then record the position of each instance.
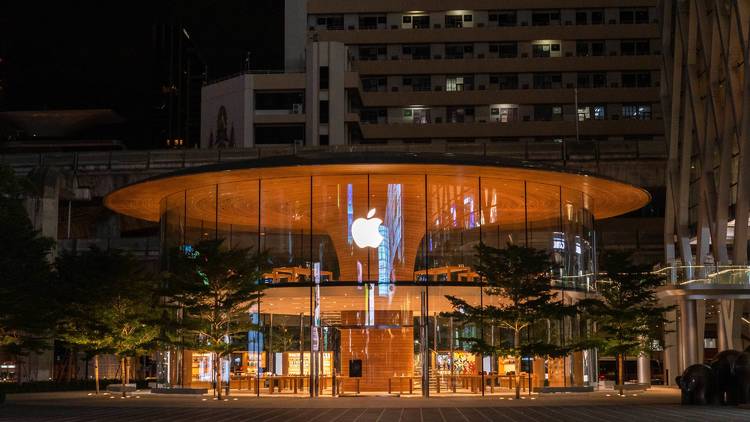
(281, 180)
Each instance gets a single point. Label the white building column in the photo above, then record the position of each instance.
(688, 333)
(728, 324)
(644, 368)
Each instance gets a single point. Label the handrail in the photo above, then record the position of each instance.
(128, 160)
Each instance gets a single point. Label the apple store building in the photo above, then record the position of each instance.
(362, 251)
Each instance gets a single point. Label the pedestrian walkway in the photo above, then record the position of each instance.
(652, 406)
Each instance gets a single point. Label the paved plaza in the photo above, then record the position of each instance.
(658, 404)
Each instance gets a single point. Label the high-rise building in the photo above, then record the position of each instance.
(706, 97)
(572, 83)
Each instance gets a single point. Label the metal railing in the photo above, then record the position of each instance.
(559, 152)
(145, 247)
(688, 276)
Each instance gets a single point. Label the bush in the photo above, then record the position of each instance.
(48, 386)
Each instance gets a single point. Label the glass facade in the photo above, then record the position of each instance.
(359, 266)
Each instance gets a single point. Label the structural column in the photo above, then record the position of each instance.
(726, 321)
(688, 332)
(644, 368)
(671, 350)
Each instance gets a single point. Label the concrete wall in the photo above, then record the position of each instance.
(232, 127)
(295, 34)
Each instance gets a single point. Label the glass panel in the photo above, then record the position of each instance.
(338, 201)
(371, 333)
(503, 218)
(453, 368)
(238, 214)
(398, 200)
(284, 341)
(453, 227)
(285, 228)
(201, 214)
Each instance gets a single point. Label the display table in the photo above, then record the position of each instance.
(400, 379)
(340, 383)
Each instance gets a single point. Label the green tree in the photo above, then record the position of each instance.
(25, 305)
(106, 304)
(518, 280)
(213, 289)
(627, 311)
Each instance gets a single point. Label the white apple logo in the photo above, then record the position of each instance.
(365, 232)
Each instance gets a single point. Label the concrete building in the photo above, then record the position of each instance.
(706, 92)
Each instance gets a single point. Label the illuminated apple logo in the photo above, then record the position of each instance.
(365, 231)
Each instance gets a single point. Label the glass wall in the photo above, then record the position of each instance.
(358, 270)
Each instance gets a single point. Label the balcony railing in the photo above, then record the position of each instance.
(691, 276)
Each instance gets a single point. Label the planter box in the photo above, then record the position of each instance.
(118, 388)
(632, 387)
(572, 389)
(177, 390)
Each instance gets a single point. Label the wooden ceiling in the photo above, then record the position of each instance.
(286, 193)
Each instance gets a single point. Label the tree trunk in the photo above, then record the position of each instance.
(218, 375)
(517, 345)
(620, 375)
(96, 373)
(124, 369)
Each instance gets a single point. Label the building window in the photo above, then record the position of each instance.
(504, 50)
(548, 112)
(323, 77)
(503, 18)
(374, 84)
(636, 111)
(459, 83)
(458, 51)
(418, 83)
(504, 113)
(333, 22)
(547, 80)
(589, 48)
(592, 112)
(323, 140)
(460, 114)
(635, 47)
(597, 17)
(415, 22)
(323, 112)
(630, 16)
(458, 21)
(582, 18)
(417, 52)
(545, 17)
(373, 115)
(417, 116)
(505, 80)
(592, 80)
(636, 79)
(545, 50)
(372, 52)
(372, 22)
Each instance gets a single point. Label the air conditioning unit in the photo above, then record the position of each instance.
(296, 108)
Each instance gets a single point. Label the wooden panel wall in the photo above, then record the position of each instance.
(384, 351)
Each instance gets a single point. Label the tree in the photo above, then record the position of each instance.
(106, 304)
(519, 277)
(25, 319)
(627, 312)
(214, 288)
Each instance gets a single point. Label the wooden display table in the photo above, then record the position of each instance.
(400, 379)
(294, 274)
(340, 383)
(447, 273)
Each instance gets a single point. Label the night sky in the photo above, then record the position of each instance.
(84, 54)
